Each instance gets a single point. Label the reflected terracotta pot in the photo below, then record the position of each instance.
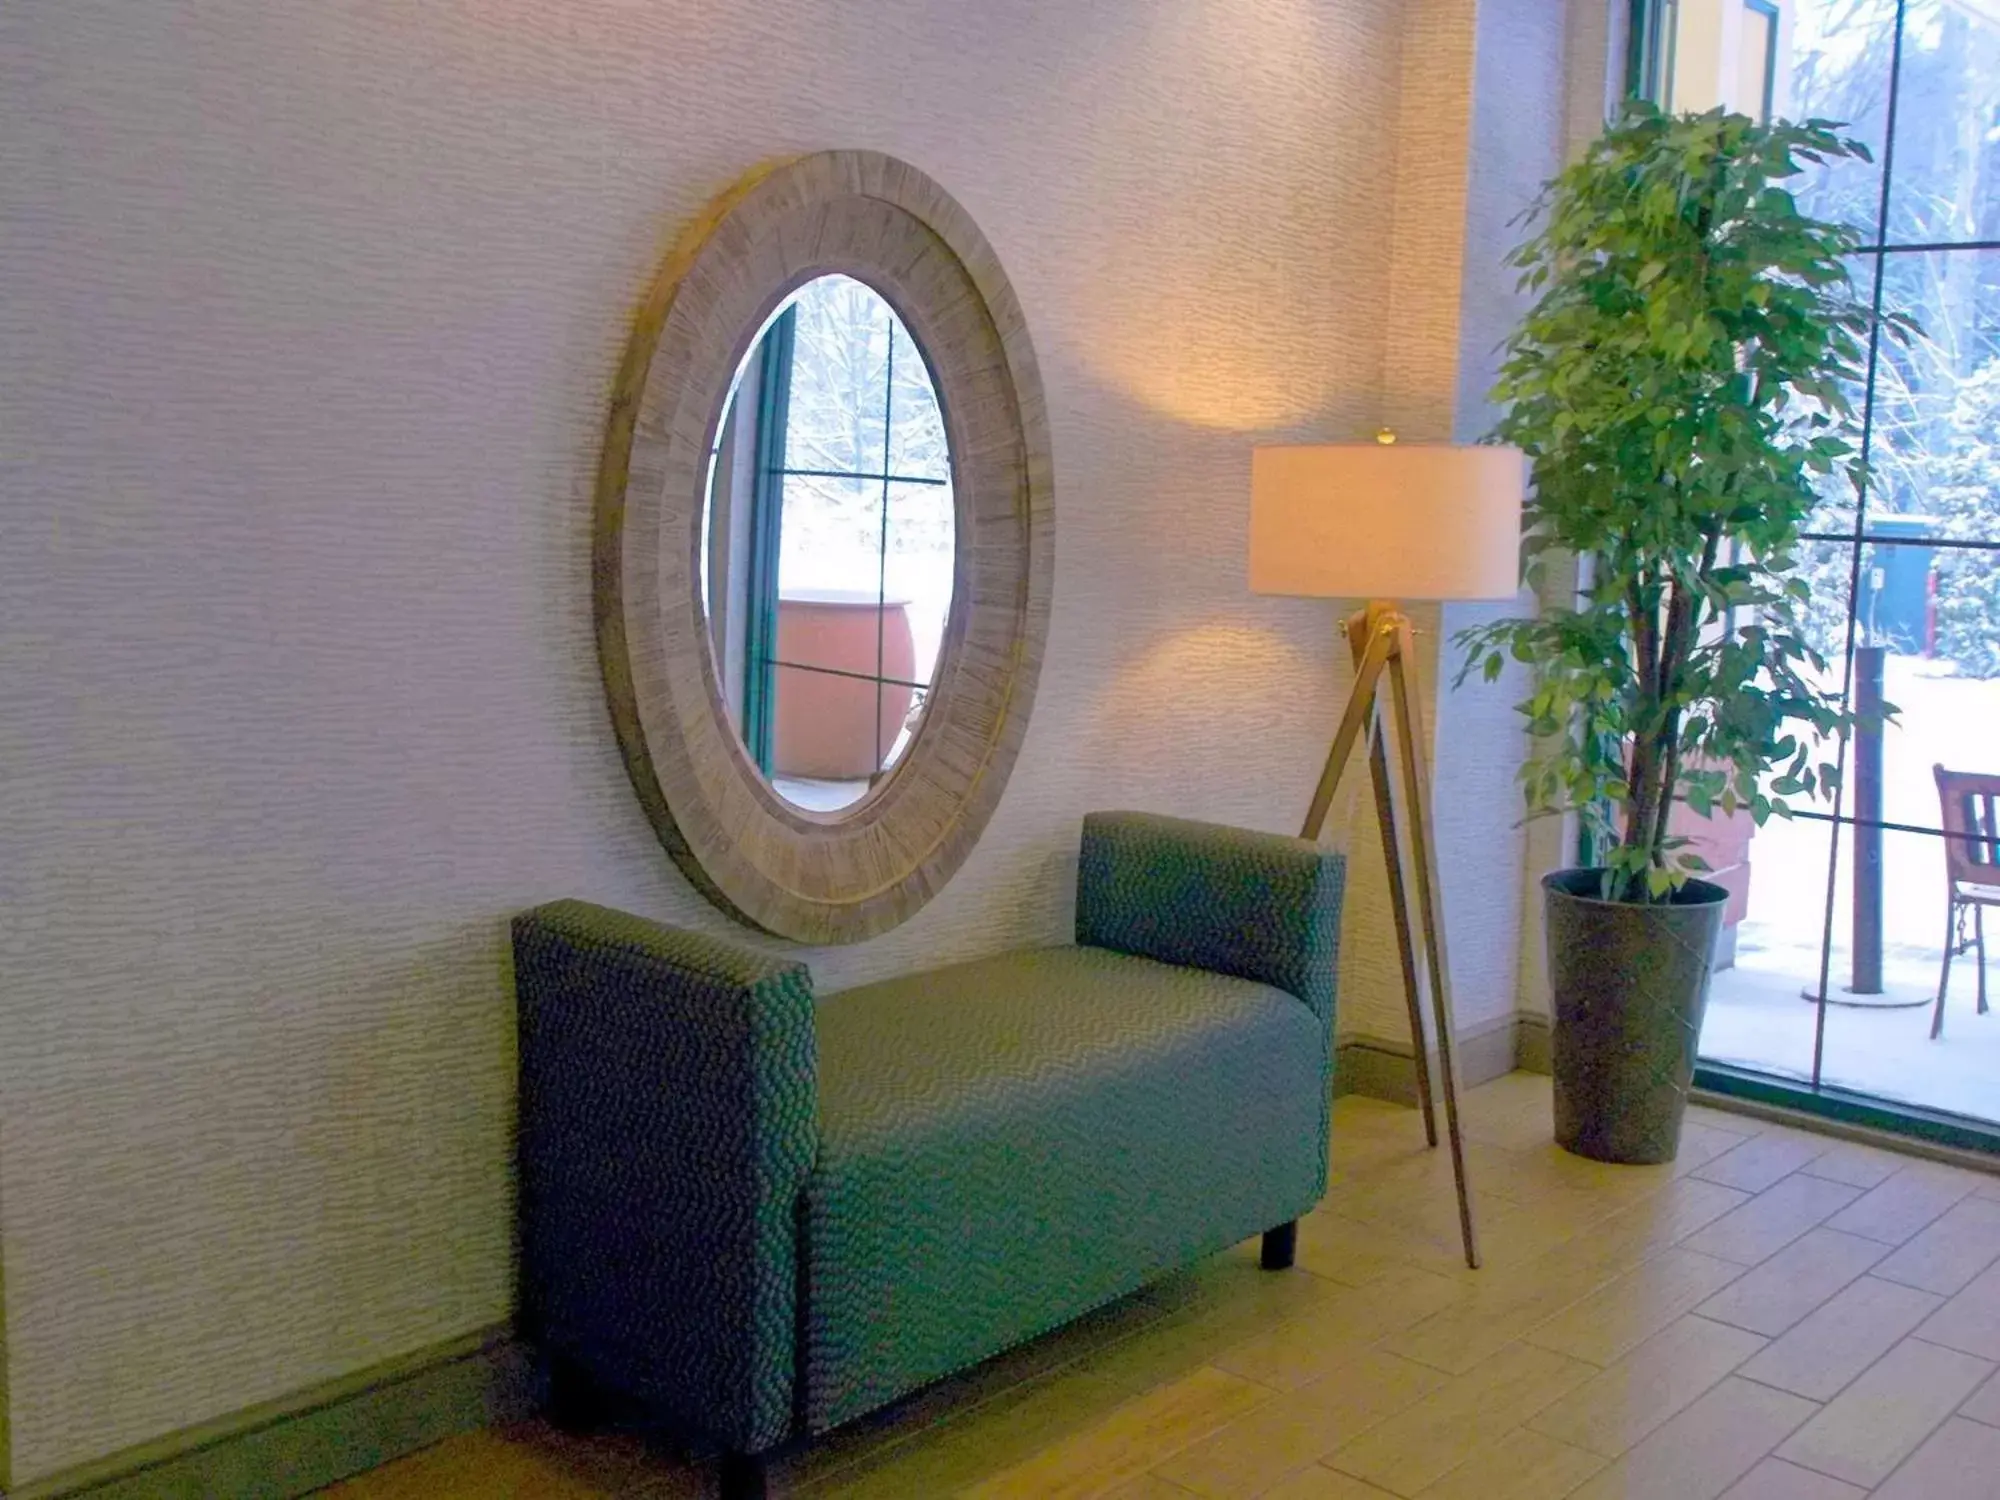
(825, 727)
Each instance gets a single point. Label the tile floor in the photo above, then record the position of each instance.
(1776, 1316)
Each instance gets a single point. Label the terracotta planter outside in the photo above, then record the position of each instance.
(826, 727)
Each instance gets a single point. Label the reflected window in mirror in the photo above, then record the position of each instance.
(829, 540)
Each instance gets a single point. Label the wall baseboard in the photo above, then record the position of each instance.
(317, 1437)
(1379, 1069)
(1532, 1047)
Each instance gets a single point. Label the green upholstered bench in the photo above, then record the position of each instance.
(764, 1215)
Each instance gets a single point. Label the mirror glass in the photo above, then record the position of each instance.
(827, 544)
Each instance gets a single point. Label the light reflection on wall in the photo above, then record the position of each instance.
(1204, 315)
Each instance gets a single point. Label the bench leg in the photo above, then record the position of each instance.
(1280, 1247)
(576, 1403)
(742, 1477)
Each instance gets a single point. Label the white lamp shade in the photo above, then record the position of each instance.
(1387, 520)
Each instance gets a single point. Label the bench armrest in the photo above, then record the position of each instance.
(668, 1120)
(1256, 905)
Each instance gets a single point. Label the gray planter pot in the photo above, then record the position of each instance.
(1630, 986)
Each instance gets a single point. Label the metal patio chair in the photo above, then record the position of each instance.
(1971, 806)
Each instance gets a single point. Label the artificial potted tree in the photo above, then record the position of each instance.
(1679, 386)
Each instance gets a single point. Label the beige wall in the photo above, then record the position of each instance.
(311, 312)
(1520, 61)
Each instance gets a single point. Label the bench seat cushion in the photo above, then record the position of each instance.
(1008, 1143)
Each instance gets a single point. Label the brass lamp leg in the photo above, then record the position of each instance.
(1425, 841)
(1399, 898)
(1360, 710)
(1379, 637)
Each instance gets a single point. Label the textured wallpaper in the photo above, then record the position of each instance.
(1517, 141)
(310, 314)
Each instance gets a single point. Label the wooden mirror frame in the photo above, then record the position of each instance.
(823, 877)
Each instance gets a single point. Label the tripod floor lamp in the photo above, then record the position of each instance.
(1388, 521)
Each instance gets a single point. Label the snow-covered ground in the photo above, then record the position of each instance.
(1756, 1015)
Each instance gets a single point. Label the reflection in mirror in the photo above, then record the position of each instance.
(827, 544)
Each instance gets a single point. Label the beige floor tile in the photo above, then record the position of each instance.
(1234, 1280)
(1729, 1120)
(1352, 1252)
(1843, 1337)
(976, 1444)
(1128, 1441)
(1763, 1159)
(1773, 1219)
(1425, 1222)
(1855, 1164)
(1227, 1301)
(1983, 1180)
(1173, 1347)
(1701, 1144)
(1774, 1479)
(1669, 1216)
(1970, 1321)
(1879, 1420)
(1557, 1217)
(1707, 1448)
(1901, 1205)
(1347, 1251)
(1402, 1209)
(1960, 1461)
(1529, 1173)
(1147, 1487)
(1320, 1483)
(1511, 1297)
(1984, 1406)
(1357, 1115)
(1256, 1451)
(1523, 1465)
(1622, 1314)
(1514, 1112)
(1323, 1341)
(1370, 1133)
(1613, 1411)
(1505, 1303)
(1418, 1172)
(1422, 1444)
(1947, 1253)
(1775, 1295)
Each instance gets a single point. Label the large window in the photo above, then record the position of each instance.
(1845, 914)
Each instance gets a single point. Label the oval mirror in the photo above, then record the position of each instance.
(828, 544)
(825, 545)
